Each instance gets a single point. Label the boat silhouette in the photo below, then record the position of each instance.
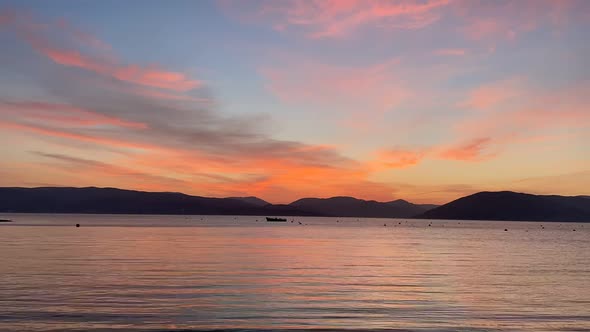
(271, 219)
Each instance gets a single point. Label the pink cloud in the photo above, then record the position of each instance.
(450, 52)
(82, 37)
(337, 18)
(38, 36)
(62, 114)
(148, 76)
(151, 93)
(354, 90)
(531, 117)
(491, 28)
(494, 21)
(492, 94)
(532, 110)
(6, 17)
(470, 150)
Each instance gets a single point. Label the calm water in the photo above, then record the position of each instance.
(176, 272)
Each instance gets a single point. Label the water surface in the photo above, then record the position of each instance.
(218, 272)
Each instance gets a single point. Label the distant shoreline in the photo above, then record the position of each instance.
(261, 217)
(484, 206)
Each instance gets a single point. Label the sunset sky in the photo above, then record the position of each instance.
(422, 100)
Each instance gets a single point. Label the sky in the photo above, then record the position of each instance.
(425, 100)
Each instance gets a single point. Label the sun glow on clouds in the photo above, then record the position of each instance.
(109, 120)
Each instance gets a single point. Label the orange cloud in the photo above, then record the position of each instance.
(78, 137)
(471, 150)
(280, 176)
(110, 174)
(398, 158)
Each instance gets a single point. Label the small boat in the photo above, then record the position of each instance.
(270, 219)
(5, 220)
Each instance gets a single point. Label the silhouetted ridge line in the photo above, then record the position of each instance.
(120, 201)
(508, 205)
(343, 206)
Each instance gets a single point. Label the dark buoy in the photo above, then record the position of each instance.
(384, 225)
(300, 223)
(429, 225)
(573, 230)
(77, 225)
(505, 230)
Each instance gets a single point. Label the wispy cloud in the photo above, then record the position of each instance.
(471, 150)
(65, 45)
(491, 94)
(451, 52)
(369, 91)
(60, 114)
(110, 173)
(398, 158)
(499, 21)
(336, 19)
(531, 110)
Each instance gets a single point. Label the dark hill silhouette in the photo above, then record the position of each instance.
(119, 201)
(251, 200)
(507, 205)
(353, 207)
(116, 201)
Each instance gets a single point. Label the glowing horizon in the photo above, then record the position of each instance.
(425, 100)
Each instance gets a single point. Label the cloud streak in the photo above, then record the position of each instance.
(47, 39)
(61, 114)
(336, 19)
(471, 150)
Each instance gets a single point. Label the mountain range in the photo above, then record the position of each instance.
(353, 207)
(119, 201)
(504, 205)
